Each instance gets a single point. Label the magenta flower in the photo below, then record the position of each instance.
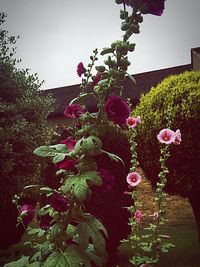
(67, 164)
(166, 136)
(178, 139)
(69, 142)
(133, 178)
(133, 122)
(73, 111)
(80, 69)
(27, 212)
(58, 202)
(96, 79)
(138, 216)
(117, 110)
(154, 7)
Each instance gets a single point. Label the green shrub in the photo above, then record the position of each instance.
(181, 94)
(23, 127)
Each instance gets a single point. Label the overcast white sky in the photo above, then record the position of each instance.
(56, 35)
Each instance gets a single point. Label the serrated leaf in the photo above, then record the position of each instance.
(107, 50)
(22, 262)
(90, 146)
(51, 151)
(35, 264)
(73, 256)
(92, 229)
(80, 185)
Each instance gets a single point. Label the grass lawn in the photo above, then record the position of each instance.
(185, 254)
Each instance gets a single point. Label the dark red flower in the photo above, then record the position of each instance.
(58, 202)
(67, 164)
(27, 213)
(80, 69)
(69, 142)
(96, 79)
(117, 110)
(73, 111)
(45, 221)
(154, 7)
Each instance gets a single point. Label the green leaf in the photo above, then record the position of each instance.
(72, 257)
(82, 98)
(80, 185)
(89, 146)
(113, 156)
(107, 50)
(91, 229)
(22, 262)
(35, 264)
(51, 151)
(59, 157)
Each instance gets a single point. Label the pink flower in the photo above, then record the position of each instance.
(117, 110)
(138, 216)
(178, 137)
(154, 7)
(133, 178)
(155, 215)
(80, 69)
(133, 122)
(69, 142)
(27, 213)
(73, 111)
(166, 136)
(96, 79)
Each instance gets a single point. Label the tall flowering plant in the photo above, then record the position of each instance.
(70, 235)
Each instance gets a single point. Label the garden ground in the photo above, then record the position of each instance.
(181, 227)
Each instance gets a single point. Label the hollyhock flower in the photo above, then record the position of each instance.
(154, 7)
(117, 110)
(133, 179)
(67, 164)
(108, 180)
(73, 111)
(178, 137)
(96, 79)
(138, 216)
(166, 136)
(45, 222)
(69, 142)
(27, 213)
(58, 202)
(133, 122)
(155, 215)
(80, 69)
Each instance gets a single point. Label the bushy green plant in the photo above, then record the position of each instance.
(23, 126)
(176, 99)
